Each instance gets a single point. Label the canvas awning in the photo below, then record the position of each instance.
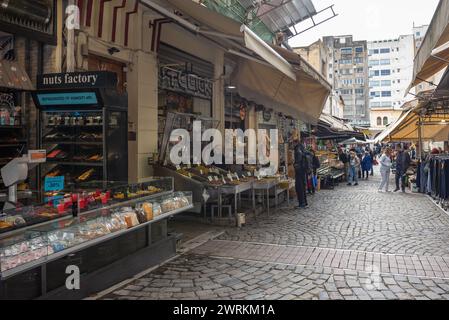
(335, 123)
(434, 127)
(14, 77)
(352, 141)
(433, 55)
(216, 25)
(268, 75)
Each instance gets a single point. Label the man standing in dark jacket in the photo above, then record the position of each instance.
(301, 169)
(402, 164)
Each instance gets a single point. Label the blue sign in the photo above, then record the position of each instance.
(67, 98)
(54, 184)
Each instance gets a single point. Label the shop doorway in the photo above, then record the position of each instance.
(97, 63)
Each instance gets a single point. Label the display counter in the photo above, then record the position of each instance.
(107, 244)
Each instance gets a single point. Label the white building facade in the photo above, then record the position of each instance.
(390, 73)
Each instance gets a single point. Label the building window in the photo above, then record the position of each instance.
(374, 73)
(386, 104)
(347, 82)
(376, 51)
(346, 61)
(418, 34)
(375, 94)
(346, 50)
(379, 121)
(359, 50)
(373, 84)
(385, 62)
(360, 70)
(360, 91)
(346, 91)
(385, 72)
(386, 83)
(358, 60)
(373, 63)
(386, 93)
(385, 121)
(386, 50)
(359, 81)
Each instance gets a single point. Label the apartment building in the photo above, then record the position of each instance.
(348, 73)
(390, 73)
(317, 55)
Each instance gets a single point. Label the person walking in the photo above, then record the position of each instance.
(354, 166)
(402, 164)
(367, 165)
(343, 157)
(301, 168)
(315, 165)
(385, 170)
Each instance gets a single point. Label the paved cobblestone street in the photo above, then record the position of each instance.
(352, 243)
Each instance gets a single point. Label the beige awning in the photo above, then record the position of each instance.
(435, 127)
(335, 123)
(268, 75)
(217, 25)
(433, 55)
(303, 99)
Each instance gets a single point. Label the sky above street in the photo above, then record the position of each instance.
(369, 19)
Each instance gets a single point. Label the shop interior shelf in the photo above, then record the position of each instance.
(10, 145)
(83, 143)
(87, 164)
(75, 126)
(10, 127)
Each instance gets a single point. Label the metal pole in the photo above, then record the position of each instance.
(420, 142)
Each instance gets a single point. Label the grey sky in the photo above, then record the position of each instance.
(369, 19)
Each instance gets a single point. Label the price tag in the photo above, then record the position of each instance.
(54, 184)
(216, 178)
(237, 177)
(249, 174)
(201, 172)
(230, 177)
(210, 178)
(206, 196)
(223, 179)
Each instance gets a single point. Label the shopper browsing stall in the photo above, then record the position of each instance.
(402, 164)
(367, 165)
(301, 169)
(385, 169)
(354, 165)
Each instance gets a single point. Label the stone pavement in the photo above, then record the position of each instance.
(353, 243)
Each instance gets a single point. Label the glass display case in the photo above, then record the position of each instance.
(84, 145)
(100, 224)
(19, 250)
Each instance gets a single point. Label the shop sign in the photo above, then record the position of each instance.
(54, 184)
(67, 99)
(180, 81)
(91, 80)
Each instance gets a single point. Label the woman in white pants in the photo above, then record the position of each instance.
(385, 169)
